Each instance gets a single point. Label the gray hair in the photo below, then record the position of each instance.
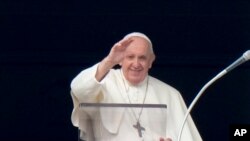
(138, 34)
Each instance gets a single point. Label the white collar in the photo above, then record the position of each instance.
(128, 84)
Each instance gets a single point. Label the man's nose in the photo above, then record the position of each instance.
(136, 62)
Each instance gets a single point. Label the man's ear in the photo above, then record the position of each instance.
(152, 60)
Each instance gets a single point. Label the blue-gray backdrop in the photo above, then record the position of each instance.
(44, 44)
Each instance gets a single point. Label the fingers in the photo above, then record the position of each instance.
(122, 44)
(167, 139)
(125, 41)
(116, 54)
(161, 139)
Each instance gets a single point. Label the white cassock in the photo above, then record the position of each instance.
(106, 124)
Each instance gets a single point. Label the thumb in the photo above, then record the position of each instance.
(167, 139)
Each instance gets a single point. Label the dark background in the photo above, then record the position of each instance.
(44, 44)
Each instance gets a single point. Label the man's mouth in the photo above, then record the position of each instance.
(136, 70)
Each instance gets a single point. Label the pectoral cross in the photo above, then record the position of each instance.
(139, 128)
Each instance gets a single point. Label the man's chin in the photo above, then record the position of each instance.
(136, 74)
(135, 81)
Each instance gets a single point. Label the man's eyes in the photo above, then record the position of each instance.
(140, 57)
(130, 56)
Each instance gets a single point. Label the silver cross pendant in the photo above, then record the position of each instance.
(139, 128)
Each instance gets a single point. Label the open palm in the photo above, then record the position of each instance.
(116, 54)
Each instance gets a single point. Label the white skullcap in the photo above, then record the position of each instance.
(138, 34)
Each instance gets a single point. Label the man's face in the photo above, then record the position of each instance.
(138, 59)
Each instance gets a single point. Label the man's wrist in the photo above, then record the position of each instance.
(108, 63)
(103, 68)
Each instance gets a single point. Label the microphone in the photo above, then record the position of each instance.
(245, 57)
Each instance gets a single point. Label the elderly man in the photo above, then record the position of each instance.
(130, 84)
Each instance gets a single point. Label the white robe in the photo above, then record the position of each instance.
(115, 125)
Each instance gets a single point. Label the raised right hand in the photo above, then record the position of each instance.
(116, 53)
(114, 57)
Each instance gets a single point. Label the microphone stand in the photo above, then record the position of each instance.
(245, 57)
(222, 73)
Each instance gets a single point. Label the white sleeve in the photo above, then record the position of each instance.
(85, 87)
(177, 112)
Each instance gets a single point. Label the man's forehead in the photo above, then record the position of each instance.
(141, 37)
(138, 42)
(138, 48)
